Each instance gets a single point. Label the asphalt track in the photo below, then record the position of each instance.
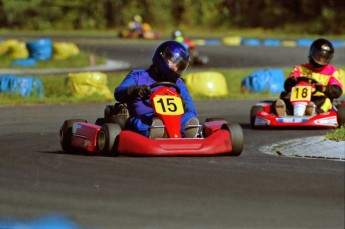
(254, 190)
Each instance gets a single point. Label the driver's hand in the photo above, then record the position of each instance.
(139, 91)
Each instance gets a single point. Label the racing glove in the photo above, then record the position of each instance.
(331, 91)
(139, 91)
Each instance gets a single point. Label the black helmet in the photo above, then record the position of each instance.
(171, 58)
(321, 52)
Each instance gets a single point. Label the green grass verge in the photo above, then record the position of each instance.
(336, 135)
(189, 32)
(76, 61)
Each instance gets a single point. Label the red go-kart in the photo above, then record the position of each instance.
(112, 135)
(262, 114)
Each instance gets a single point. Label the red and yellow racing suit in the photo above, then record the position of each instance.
(330, 84)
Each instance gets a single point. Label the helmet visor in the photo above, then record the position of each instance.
(175, 60)
(322, 57)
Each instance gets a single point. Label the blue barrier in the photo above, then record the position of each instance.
(24, 86)
(41, 49)
(213, 42)
(250, 42)
(271, 80)
(304, 42)
(28, 62)
(271, 42)
(338, 43)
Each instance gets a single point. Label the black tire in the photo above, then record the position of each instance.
(236, 134)
(121, 121)
(66, 134)
(213, 119)
(255, 109)
(341, 115)
(100, 121)
(107, 139)
(200, 60)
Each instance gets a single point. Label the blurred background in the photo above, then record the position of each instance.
(290, 16)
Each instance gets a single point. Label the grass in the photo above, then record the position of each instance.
(190, 32)
(336, 135)
(76, 61)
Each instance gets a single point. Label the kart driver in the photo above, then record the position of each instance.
(177, 36)
(190, 46)
(135, 25)
(169, 61)
(329, 85)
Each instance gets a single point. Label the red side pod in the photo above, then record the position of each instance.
(212, 126)
(135, 144)
(84, 136)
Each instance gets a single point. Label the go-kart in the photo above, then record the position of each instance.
(146, 32)
(112, 134)
(195, 57)
(263, 114)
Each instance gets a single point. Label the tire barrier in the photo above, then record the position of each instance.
(63, 50)
(26, 54)
(88, 83)
(265, 80)
(41, 49)
(237, 41)
(25, 86)
(208, 84)
(27, 62)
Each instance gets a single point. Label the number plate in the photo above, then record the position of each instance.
(301, 94)
(168, 105)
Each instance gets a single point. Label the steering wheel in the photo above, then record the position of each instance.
(158, 84)
(306, 79)
(166, 84)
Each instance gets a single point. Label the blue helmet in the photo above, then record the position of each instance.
(171, 58)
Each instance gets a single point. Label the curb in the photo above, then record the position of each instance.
(311, 147)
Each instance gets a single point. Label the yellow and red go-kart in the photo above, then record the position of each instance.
(145, 32)
(262, 114)
(111, 135)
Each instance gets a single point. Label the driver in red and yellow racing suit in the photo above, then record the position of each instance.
(169, 61)
(329, 85)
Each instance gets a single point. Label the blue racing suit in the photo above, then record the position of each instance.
(141, 115)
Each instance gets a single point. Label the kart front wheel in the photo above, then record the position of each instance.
(236, 135)
(66, 133)
(253, 112)
(107, 139)
(341, 115)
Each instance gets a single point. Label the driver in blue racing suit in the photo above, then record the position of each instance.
(169, 61)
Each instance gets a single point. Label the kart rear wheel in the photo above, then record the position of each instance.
(200, 60)
(255, 109)
(341, 115)
(66, 134)
(236, 135)
(100, 121)
(107, 139)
